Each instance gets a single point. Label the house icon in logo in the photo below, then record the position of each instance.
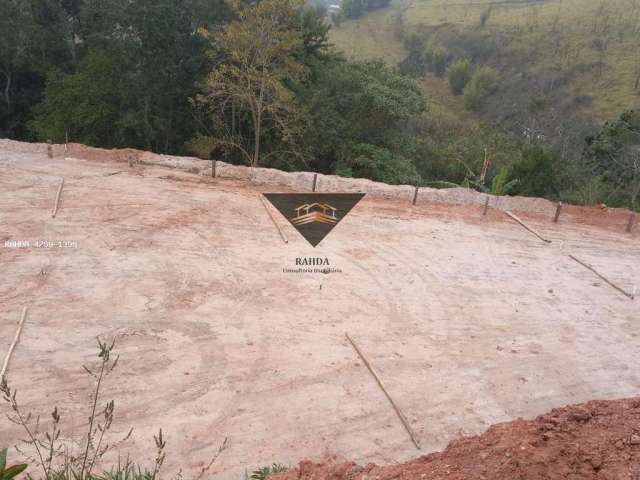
(315, 212)
(314, 215)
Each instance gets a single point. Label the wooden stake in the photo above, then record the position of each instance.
(49, 149)
(264, 202)
(486, 206)
(589, 267)
(384, 390)
(214, 164)
(527, 227)
(55, 205)
(557, 215)
(66, 140)
(315, 182)
(415, 195)
(632, 221)
(13, 344)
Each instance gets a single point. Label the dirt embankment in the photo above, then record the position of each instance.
(596, 440)
(614, 219)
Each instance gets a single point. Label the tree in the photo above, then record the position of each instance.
(613, 155)
(254, 64)
(362, 102)
(138, 66)
(33, 36)
(482, 83)
(416, 61)
(459, 74)
(437, 58)
(87, 104)
(535, 172)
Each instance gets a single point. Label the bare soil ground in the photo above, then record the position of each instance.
(468, 320)
(598, 440)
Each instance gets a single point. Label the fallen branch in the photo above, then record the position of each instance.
(55, 205)
(589, 267)
(384, 390)
(13, 344)
(113, 173)
(527, 227)
(264, 202)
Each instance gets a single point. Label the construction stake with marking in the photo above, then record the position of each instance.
(55, 204)
(264, 202)
(589, 267)
(13, 344)
(632, 220)
(557, 215)
(527, 227)
(384, 390)
(486, 206)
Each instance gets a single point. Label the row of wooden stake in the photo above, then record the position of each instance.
(586, 265)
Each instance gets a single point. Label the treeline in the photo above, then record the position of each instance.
(255, 83)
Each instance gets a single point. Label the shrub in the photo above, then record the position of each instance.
(459, 74)
(378, 164)
(535, 173)
(482, 84)
(415, 63)
(437, 59)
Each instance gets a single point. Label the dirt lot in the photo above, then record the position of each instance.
(469, 321)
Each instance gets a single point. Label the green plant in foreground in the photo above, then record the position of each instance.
(264, 472)
(7, 473)
(51, 453)
(501, 185)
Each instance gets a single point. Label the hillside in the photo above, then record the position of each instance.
(559, 44)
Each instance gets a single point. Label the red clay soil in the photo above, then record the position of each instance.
(595, 440)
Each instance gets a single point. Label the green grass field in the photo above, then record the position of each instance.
(560, 35)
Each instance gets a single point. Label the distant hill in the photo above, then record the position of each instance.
(564, 66)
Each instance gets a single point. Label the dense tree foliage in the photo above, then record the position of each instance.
(613, 155)
(356, 103)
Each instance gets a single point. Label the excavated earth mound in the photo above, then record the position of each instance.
(595, 440)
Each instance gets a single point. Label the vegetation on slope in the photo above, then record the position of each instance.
(543, 74)
(511, 91)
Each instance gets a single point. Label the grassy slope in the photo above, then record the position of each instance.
(549, 33)
(370, 37)
(373, 36)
